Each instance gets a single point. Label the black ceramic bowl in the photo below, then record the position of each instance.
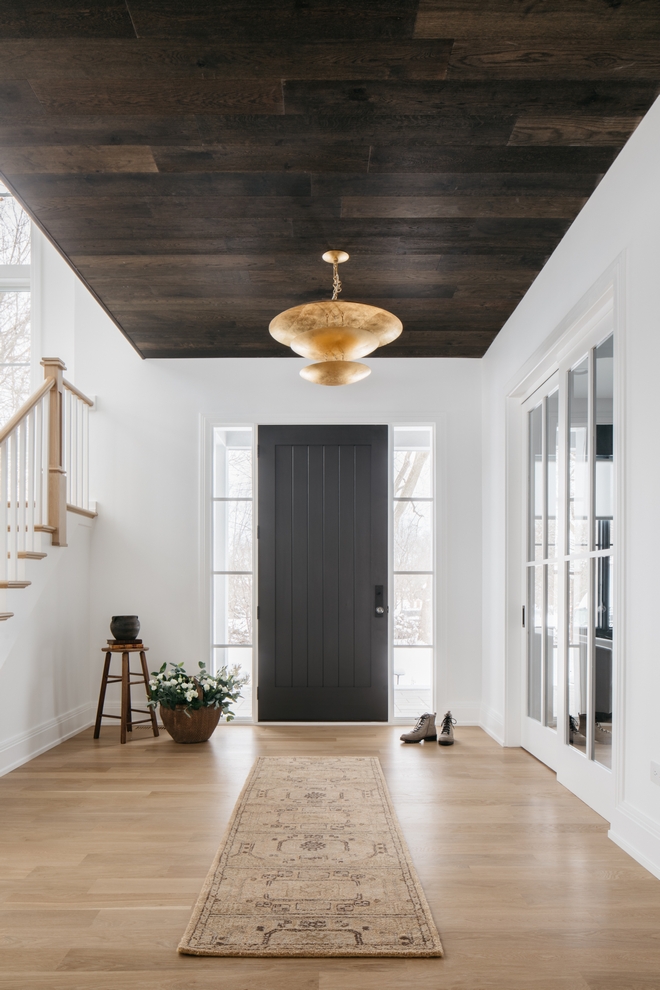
(125, 628)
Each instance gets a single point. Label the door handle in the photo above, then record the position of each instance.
(380, 601)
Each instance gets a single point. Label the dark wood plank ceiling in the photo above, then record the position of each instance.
(193, 160)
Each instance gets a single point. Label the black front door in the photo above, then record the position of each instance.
(322, 573)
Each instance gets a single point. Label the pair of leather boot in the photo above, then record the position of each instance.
(425, 730)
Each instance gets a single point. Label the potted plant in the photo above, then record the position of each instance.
(191, 705)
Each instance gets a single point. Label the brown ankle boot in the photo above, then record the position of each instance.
(446, 737)
(424, 730)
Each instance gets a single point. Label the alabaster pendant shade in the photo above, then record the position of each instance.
(334, 333)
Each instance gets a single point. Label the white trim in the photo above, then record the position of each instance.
(435, 556)
(205, 535)
(492, 723)
(642, 840)
(24, 746)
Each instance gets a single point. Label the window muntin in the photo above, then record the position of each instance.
(413, 513)
(232, 544)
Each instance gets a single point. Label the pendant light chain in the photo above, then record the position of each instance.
(336, 284)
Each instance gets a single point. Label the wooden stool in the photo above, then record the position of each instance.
(126, 717)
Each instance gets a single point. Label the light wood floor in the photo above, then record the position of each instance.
(104, 848)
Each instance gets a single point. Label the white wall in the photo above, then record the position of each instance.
(146, 433)
(620, 221)
(46, 685)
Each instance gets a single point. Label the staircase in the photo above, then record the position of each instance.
(44, 471)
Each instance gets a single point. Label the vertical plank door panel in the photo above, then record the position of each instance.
(322, 551)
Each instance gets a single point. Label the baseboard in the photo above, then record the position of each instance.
(638, 835)
(492, 723)
(24, 746)
(465, 714)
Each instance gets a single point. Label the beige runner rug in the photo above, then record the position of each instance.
(313, 863)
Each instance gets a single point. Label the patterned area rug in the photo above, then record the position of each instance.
(313, 863)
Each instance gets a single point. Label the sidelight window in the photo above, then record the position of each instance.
(232, 551)
(413, 552)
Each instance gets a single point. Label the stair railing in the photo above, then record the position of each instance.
(76, 448)
(44, 468)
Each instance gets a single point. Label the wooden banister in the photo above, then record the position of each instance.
(29, 404)
(76, 391)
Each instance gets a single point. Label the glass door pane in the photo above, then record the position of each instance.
(551, 644)
(535, 641)
(578, 651)
(578, 458)
(535, 502)
(604, 473)
(603, 636)
(552, 474)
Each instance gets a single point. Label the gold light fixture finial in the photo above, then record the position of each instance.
(335, 333)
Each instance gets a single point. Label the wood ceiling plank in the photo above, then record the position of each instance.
(470, 243)
(469, 96)
(461, 206)
(469, 158)
(562, 19)
(585, 132)
(229, 184)
(492, 126)
(161, 96)
(74, 19)
(283, 20)
(300, 157)
(266, 269)
(548, 58)
(76, 158)
(440, 183)
(100, 130)
(146, 58)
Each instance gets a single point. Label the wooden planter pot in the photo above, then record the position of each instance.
(195, 727)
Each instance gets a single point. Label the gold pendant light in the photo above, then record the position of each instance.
(334, 333)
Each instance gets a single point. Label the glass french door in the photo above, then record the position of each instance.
(568, 611)
(543, 550)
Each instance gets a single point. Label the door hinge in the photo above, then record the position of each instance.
(523, 616)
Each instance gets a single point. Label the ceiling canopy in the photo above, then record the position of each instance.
(193, 160)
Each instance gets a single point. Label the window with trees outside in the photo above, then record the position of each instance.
(233, 566)
(413, 544)
(15, 310)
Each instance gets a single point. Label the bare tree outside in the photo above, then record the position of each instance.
(15, 329)
(14, 232)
